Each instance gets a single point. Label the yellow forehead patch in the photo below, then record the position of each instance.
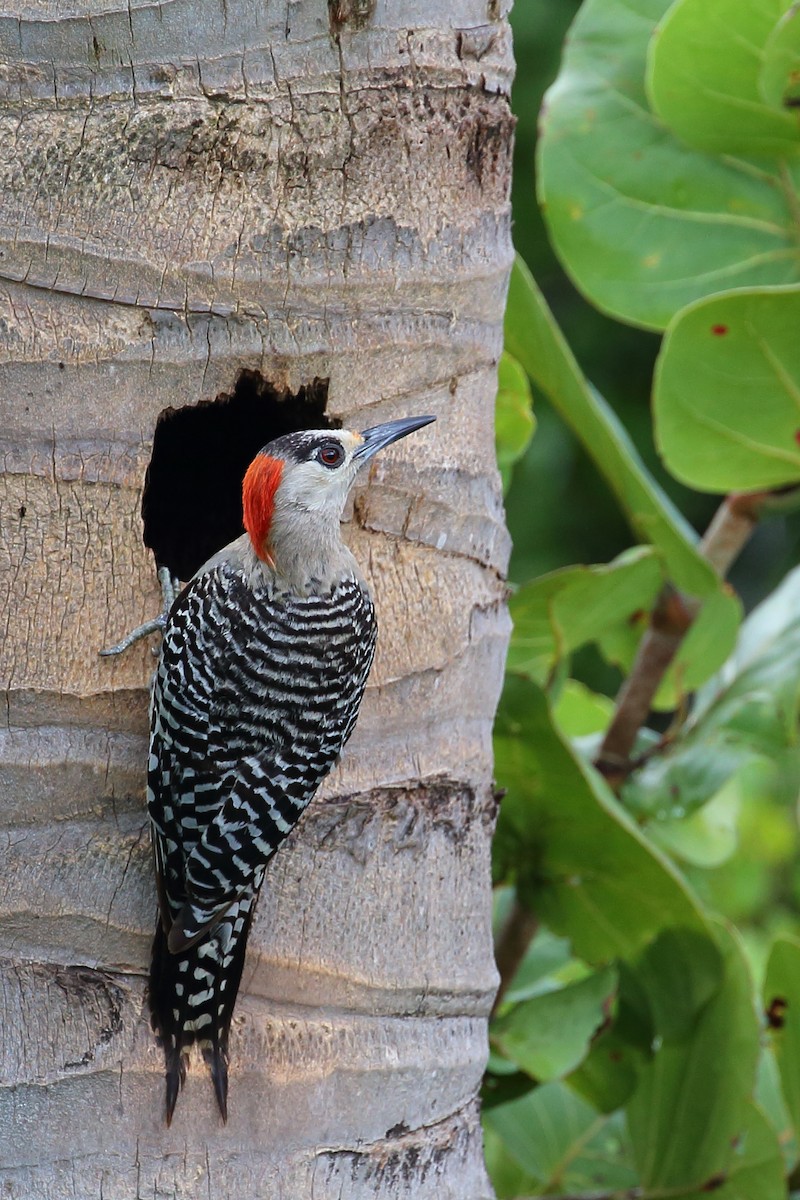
(350, 440)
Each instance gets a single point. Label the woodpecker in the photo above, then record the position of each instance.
(264, 660)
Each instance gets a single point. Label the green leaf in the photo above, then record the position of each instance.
(548, 958)
(557, 613)
(704, 77)
(549, 1035)
(534, 338)
(706, 837)
(727, 391)
(644, 223)
(577, 859)
(782, 1003)
(691, 1106)
(509, 1179)
(608, 1075)
(514, 422)
(703, 651)
(772, 1102)
(755, 1170)
(578, 711)
(750, 711)
(679, 973)
(560, 1142)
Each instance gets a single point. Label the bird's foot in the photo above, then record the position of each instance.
(169, 590)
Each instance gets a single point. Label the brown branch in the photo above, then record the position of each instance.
(730, 530)
(512, 943)
(670, 621)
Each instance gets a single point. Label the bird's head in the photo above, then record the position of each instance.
(299, 482)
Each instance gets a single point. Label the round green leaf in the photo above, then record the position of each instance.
(727, 391)
(704, 81)
(644, 223)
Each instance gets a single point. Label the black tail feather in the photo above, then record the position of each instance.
(176, 1077)
(217, 1058)
(173, 984)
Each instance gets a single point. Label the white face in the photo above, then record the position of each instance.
(319, 486)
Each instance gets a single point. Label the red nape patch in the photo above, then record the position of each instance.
(797, 437)
(719, 330)
(258, 500)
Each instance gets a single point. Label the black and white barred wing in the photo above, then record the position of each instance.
(287, 705)
(185, 785)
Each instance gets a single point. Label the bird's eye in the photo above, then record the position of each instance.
(331, 455)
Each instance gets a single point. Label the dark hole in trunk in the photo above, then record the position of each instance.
(192, 502)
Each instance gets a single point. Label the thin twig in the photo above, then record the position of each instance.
(513, 940)
(731, 528)
(671, 619)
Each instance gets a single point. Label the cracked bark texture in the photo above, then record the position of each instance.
(305, 189)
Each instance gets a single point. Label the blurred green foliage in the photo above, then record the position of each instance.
(558, 509)
(649, 1043)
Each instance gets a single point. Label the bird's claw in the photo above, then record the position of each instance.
(169, 589)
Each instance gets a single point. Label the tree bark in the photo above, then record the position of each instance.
(188, 190)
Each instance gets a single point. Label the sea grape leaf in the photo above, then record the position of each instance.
(704, 77)
(726, 395)
(644, 223)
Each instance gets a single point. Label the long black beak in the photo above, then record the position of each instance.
(383, 435)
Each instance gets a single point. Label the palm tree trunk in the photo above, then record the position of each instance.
(190, 190)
